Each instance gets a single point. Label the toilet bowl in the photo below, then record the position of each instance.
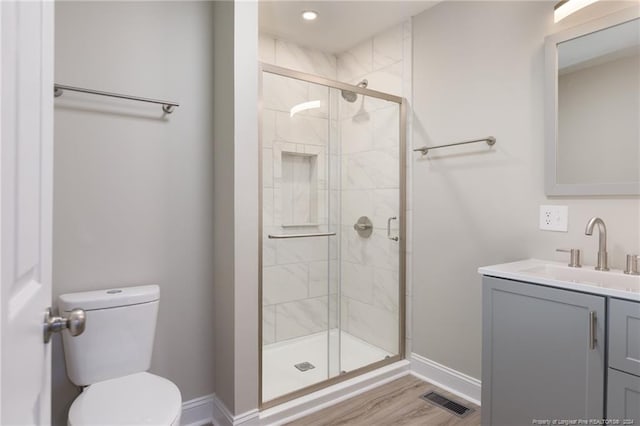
(137, 399)
(109, 360)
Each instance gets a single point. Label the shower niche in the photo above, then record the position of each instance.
(332, 301)
(299, 173)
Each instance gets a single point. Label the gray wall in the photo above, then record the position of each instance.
(246, 206)
(235, 140)
(223, 167)
(133, 189)
(479, 70)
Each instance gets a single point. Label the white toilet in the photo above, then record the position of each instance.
(111, 358)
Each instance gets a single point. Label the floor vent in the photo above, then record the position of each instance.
(305, 366)
(449, 405)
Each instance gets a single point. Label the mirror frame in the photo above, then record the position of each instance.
(552, 187)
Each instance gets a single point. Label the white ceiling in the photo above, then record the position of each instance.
(340, 25)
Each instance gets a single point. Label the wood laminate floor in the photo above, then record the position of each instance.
(396, 403)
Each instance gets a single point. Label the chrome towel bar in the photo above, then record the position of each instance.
(285, 236)
(490, 140)
(167, 106)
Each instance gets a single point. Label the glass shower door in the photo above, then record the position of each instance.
(299, 235)
(370, 190)
(331, 260)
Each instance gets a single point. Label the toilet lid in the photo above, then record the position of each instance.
(137, 399)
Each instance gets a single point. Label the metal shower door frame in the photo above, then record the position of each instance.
(310, 78)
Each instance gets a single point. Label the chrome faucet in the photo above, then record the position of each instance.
(603, 263)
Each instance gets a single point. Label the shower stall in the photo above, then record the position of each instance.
(332, 232)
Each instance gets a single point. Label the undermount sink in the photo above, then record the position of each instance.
(613, 283)
(589, 276)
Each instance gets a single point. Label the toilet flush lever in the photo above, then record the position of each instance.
(75, 322)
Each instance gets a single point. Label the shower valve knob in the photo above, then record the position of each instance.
(364, 227)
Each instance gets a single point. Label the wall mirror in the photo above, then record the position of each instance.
(593, 108)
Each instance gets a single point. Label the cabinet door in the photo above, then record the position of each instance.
(623, 397)
(538, 362)
(624, 336)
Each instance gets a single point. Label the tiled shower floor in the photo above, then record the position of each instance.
(280, 376)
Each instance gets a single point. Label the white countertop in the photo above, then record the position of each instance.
(612, 283)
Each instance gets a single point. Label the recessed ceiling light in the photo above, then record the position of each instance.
(309, 15)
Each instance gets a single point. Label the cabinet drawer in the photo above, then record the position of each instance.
(624, 336)
(623, 397)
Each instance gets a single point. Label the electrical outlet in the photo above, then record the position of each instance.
(554, 218)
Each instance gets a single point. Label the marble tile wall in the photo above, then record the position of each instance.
(300, 276)
(357, 175)
(370, 186)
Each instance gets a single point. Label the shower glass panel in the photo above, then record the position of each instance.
(369, 217)
(331, 257)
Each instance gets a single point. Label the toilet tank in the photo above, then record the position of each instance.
(119, 333)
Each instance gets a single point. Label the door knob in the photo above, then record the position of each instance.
(75, 322)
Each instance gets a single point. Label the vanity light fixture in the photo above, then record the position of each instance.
(567, 7)
(309, 15)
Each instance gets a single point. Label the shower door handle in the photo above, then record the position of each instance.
(396, 238)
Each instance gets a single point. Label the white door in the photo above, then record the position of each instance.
(26, 189)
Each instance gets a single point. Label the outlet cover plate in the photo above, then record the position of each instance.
(554, 218)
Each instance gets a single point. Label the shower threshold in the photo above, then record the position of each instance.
(280, 376)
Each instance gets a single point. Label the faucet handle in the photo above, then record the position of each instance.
(576, 255)
(632, 265)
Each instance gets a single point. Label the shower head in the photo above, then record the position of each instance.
(350, 96)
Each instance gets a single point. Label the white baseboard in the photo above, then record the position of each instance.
(249, 418)
(197, 411)
(221, 414)
(324, 398)
(447, 378)
(223, 417)
(210, 409)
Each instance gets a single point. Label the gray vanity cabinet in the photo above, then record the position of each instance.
(623, 386)
(542, 355)
(623, 396)
(624, 336)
